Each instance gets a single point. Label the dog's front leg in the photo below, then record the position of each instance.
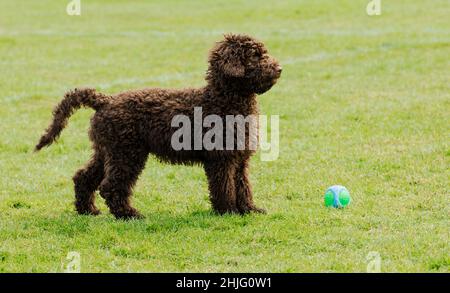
(244, 195)
(222, 189)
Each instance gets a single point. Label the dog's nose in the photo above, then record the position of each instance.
(279, 69)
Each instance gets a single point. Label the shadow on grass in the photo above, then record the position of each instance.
(70, 224)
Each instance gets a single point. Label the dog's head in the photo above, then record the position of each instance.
(241, 62)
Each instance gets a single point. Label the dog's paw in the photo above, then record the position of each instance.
(89, 211)
(130, 214)
(251, 209)
(226, 211)
(258, 210)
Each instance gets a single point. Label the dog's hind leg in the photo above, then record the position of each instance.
(122, 170)
(221, 184)
(244, 195)
(86, 182)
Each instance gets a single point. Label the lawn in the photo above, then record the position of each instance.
(363, 101)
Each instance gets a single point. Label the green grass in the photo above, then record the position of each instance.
(363, 102)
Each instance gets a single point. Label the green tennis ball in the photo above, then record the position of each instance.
(337, 196)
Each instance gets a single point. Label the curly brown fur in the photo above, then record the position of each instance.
(127, 127)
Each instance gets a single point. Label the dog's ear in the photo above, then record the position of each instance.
(233, 68)
(231, 64)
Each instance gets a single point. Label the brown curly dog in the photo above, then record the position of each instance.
(128, 126)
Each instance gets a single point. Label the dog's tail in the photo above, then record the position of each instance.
(72, 101)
